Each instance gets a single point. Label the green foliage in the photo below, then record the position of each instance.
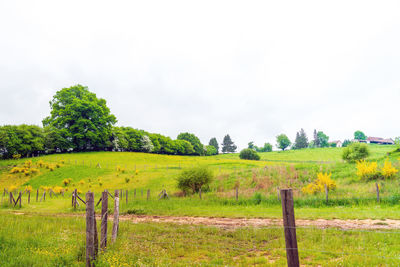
(82, 119)
(322, 139)
(228, 146)
(194, 140)
(282, 141)
(248, 153)
(22, 139)
(358, 135)
(301, 140)
(266, 148)
(213, 142)
(210, 151)
(251, 145)
(346, 143)
(192, 179)
(355, 151)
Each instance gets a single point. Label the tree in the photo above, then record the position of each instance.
(266, 148)
(194, 140)
(316, 140)
(213, 142)
(227, 145)
(82, 118)
(147, 145)
(358, 135)
(210, 151)
(323, 139)
(250, 145)
(183, 147)
(249, 153)
(346, 143)
(355, 151)
(282, 141)
(301, 140)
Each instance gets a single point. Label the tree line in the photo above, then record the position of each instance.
(79, 121)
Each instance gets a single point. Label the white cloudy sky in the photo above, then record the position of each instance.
(253, 69)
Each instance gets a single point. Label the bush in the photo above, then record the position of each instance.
(194, 178)
(355, 151)
(249, 154)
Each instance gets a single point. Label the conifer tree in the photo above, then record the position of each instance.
(213, 142)
(301, 140)
(227, 145)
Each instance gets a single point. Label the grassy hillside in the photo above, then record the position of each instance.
(330, 154)
(258, 182)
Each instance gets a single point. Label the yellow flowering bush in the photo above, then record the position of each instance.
(319, 184)
(12, 188)
(58, 189)
(367, 170)
(67, 181)
(388, 171)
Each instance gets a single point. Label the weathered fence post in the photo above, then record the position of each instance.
(326, 193)
(126, 195)
(148, 194)
(134, 194)
(90, 231)
(200, 193)
(289, 225)
(11, 197)
(37, 195)
(237, 193)
(104, 217)
(116, 217)
(20, 196)
(74, 198)
(29, 196)
(377, 192)
(142, 192)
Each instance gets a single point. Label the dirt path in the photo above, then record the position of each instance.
(368, 224)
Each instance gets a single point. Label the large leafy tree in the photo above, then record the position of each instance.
(323, 139)
(194, 140)
(213, 142)
(228, 146)
(282, 141)
(81, 118)
(360, 135)
(301, 140)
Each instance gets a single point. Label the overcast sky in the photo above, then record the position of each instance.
(253, 69)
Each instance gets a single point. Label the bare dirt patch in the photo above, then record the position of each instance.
(264, 222)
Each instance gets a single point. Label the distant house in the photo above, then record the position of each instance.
(338, 143)
(379, 140)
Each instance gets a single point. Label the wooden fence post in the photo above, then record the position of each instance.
(289, 225)
(104, 217)
(148, 194)
(116, 217)
(20, 196)
(142, 192)
(11, 197)
(200, 193)
(29, 197)
(126, 195)
(37, 195)
(74, 198)
(90, 225)
(377, 192)
(237, 193)
(134, 194)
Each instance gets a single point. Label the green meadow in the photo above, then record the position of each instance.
(52, 232)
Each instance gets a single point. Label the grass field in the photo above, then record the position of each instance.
(31, 240)
(51, 233)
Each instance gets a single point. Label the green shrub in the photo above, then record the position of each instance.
(355, 151)
(248, 153)
(192, 179)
